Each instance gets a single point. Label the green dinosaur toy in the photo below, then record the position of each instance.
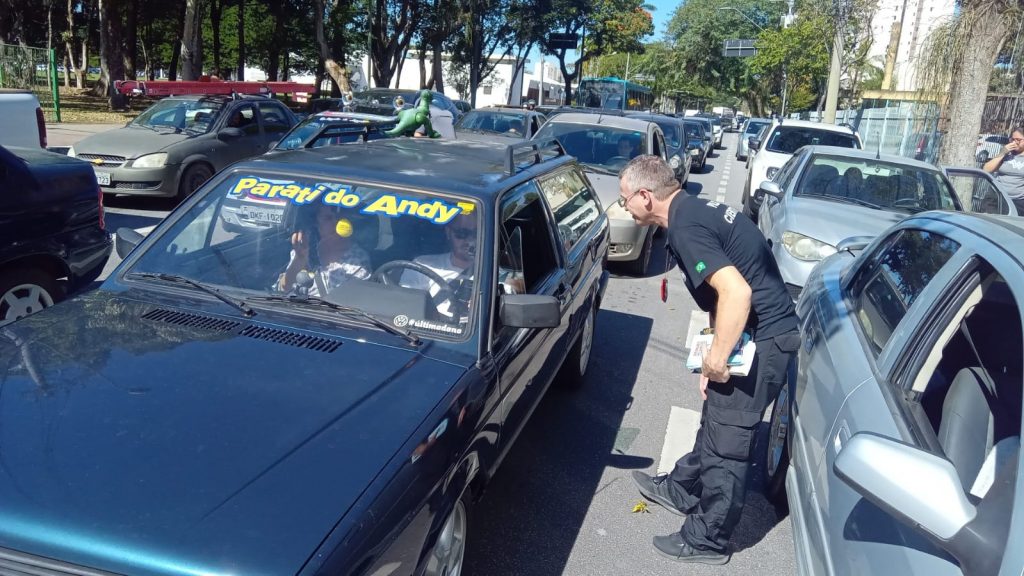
(409, 120)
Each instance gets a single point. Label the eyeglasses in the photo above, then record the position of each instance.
(463, 233)
(622, 201)
(1016, 139)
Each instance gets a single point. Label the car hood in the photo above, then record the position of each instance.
(147, 447)
(129, 142)
(606, 185)
(832, 222)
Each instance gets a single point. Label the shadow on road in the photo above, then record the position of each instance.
(693, 188)
(559, 459)
(116, 220)
(759, 515)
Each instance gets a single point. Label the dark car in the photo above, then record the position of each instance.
(699, 134)
(212, 410)
(51, 228)
(678, 146)
(181, 141)
(499, 124)
(382, 101)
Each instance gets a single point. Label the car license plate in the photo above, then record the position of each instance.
(262, 215)
(103, 178)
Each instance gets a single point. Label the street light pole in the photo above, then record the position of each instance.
(832, 91)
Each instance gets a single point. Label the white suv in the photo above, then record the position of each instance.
(780, 141)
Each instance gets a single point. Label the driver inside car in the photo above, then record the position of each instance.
(626, 148)
(327, 251)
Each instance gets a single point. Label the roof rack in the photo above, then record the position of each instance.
(534, 151)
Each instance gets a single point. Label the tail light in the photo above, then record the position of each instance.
(103, 223)
(41, 123)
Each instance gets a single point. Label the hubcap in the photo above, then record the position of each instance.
(777, 435)
(22, 300)
(451, 545)
(586, 342)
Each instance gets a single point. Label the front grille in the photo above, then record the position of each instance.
(191, 320)
(108, 161)
(13, 563)
(136, 185)
(289, 338)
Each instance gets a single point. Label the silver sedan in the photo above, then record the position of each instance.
(901, 429)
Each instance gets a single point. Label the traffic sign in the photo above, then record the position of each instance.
(738, 48)
(561, 40)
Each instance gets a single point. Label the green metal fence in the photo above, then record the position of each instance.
(34, 69)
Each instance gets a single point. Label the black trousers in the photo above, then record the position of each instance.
(710, 482)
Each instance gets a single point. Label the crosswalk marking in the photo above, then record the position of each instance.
(679, 436)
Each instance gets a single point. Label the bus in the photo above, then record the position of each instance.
(612, 93)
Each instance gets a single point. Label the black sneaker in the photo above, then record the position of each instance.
(675, 548)
(655, 489)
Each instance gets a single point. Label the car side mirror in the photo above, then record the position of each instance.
(127, 240)
(769, 188)
(530, 311)
(924, 492)
(753, 143)
(230, 134)
(854, 243)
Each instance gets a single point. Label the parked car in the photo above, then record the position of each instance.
(217, 419)
(51, 229)
(21, 119)
(716, 127)
(179, 142)
(898, 441)
(499, 124)
(824, 195)
(698, 141)
(680, 149)
(989, 146)
(382, 101)
(749, 130)
(780, 141)
(709, 134)
(463, 106)
(604, 144)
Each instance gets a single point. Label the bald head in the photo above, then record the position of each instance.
(650, 173)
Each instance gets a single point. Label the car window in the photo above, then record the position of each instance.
(788, 139)
(753, 128)
(599, 146)
(244, 118)
(896, 274)
(785, 174)
(275, 118)
(493, 121)
(978, 194)
(876, 184)
(254, 232)
(196, 116)
(671, 132)
(573, 204)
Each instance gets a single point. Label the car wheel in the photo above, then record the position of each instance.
(450, 549)
(776, 461)
(25, 292)
(195, 176)
(575, 366)
(638, 267)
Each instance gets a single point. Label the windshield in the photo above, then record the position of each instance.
(754, 127)
(694, 131)
(602, 94)
(407, 258)
(331, 130)
(493, 121)
(876, 184)
(671, 130)
(192, 115)
(789, 139)
(601, 147)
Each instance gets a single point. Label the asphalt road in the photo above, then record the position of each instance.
(562, 502)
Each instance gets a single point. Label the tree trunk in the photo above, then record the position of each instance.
(335, 69)
(241, 39)
(131, 53)
(401, 65)
(69, 45)
(215, 13)
(437, 65)
(111, 55)
(424, 82)
(192, 41)
(172, 72)
(970, 79)
(277, 43)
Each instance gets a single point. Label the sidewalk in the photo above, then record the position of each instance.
(66, 134)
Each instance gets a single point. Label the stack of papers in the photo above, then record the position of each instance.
(740, 360)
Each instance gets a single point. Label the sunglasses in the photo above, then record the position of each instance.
(463, 233)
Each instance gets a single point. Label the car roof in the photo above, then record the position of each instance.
(861, 154)
(615, 121)
(504, 109)
(1004, 231)
(454, 166)
(653, 117)
(818, 125)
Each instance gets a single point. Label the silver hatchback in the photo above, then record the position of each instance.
(901, 429)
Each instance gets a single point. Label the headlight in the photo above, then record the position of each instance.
(150, 160)
(674, 162)
(772, 172)
(805, 247)
(695, 152)
(71, 152)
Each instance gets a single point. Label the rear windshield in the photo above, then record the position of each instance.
(789, 139)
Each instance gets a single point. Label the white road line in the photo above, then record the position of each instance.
(699, 320)
(720, 198)
(679, 436)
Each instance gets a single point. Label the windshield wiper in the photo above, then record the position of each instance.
(599, 169)
(849, 200)
(247, 311)
(346, 310)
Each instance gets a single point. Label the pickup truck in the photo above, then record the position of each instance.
(52, 235)
(21, 119)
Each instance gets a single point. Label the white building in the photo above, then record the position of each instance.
(919, 18)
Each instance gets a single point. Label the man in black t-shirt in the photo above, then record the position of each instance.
(731, 274)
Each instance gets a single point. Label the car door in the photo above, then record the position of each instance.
(527, 359)
(978, 192)
(850, 388)
(275, 122)
(773, 209)
(251, 143)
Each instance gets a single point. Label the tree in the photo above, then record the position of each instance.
(800, 51)
(961, 55)
(80, 35)
(111, 53)
(393, 25)
(192, 41)
(334, 68)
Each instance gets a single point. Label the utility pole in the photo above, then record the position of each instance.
(787, 20)
(832, 92)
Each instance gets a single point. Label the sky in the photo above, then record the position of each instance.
(662, 14)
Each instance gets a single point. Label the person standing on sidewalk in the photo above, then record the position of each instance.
(731, 274)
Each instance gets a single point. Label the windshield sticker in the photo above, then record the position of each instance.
(436, 211)
(343, 228)
(273, 189)
(403, 321)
